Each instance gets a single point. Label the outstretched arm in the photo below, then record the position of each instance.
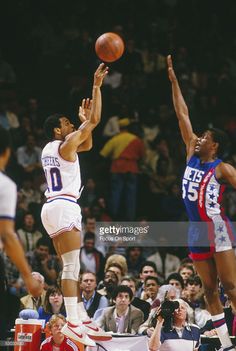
(72, 142)
(15, 251)
(181, 109)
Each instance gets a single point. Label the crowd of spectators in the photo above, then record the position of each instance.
(52, 73)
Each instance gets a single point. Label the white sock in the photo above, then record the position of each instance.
(82, 313)
(222, 330)
(71, 309)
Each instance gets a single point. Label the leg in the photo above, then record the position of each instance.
(65, 243)
(207, 270)
(226, 268)
(67, 246)
(208, 274)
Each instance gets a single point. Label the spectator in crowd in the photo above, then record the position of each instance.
(186, 270)
(89, 194)
(117, 269)
(136, 301)
(193, 289)
(43, 262)
(91, 299)
(28, 193)
(151, 288)
(8, 119)
(53, 304)
(34, 302)
(89, 224)
(109, 284)
(125, 150)
(14, 280)
(118, 261)
(134, 258)
(29, 155)
(28, 234)
(122, 317)
(168, 291)
(57, 340)
(176, 280)
(148, 268)
(165, 262)
(90, 258)
(182, 335)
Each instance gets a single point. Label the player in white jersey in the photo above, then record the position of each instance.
(61, 214)
(8, 196)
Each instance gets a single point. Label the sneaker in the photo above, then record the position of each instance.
(77, 333)
(94, 332)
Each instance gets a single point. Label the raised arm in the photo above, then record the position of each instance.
(181, 109)
(73, 142)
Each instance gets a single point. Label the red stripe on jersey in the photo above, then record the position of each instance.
(202, 208)
(202, 256)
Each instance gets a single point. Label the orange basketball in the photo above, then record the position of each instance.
(109, 47)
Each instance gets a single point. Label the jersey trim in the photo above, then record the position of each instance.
(66, 229)
(7, 217)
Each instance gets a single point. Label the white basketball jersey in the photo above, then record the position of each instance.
(63, 177)
(8, 196)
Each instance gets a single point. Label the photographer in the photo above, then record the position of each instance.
(180, 336)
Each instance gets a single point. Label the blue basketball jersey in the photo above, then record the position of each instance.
(210, 230)
(201, 192)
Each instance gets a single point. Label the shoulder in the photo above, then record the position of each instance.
(46, 343)
(135, 310)
(6, 183)
(108, 311)
(25, 298)
(71, 344)
(225, 171)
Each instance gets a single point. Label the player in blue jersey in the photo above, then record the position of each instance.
(210, 234)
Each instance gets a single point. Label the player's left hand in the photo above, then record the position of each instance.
(171, 72)
(85, 110)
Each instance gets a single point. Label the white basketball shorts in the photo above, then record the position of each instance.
(60, 215)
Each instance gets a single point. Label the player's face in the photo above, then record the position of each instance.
(204, 144)
(66, 127)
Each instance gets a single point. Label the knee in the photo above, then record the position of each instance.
(230, 290)
(211, 292)
(71, 265)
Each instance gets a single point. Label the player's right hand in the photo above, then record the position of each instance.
(100, 74)
(171, 72)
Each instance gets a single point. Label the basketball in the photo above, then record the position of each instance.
(109, 47)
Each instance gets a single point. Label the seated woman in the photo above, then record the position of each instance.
(57, 340)
(53, 304)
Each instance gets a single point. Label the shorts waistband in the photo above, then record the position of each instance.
(62, 197)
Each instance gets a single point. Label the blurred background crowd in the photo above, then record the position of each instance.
(47, 61)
